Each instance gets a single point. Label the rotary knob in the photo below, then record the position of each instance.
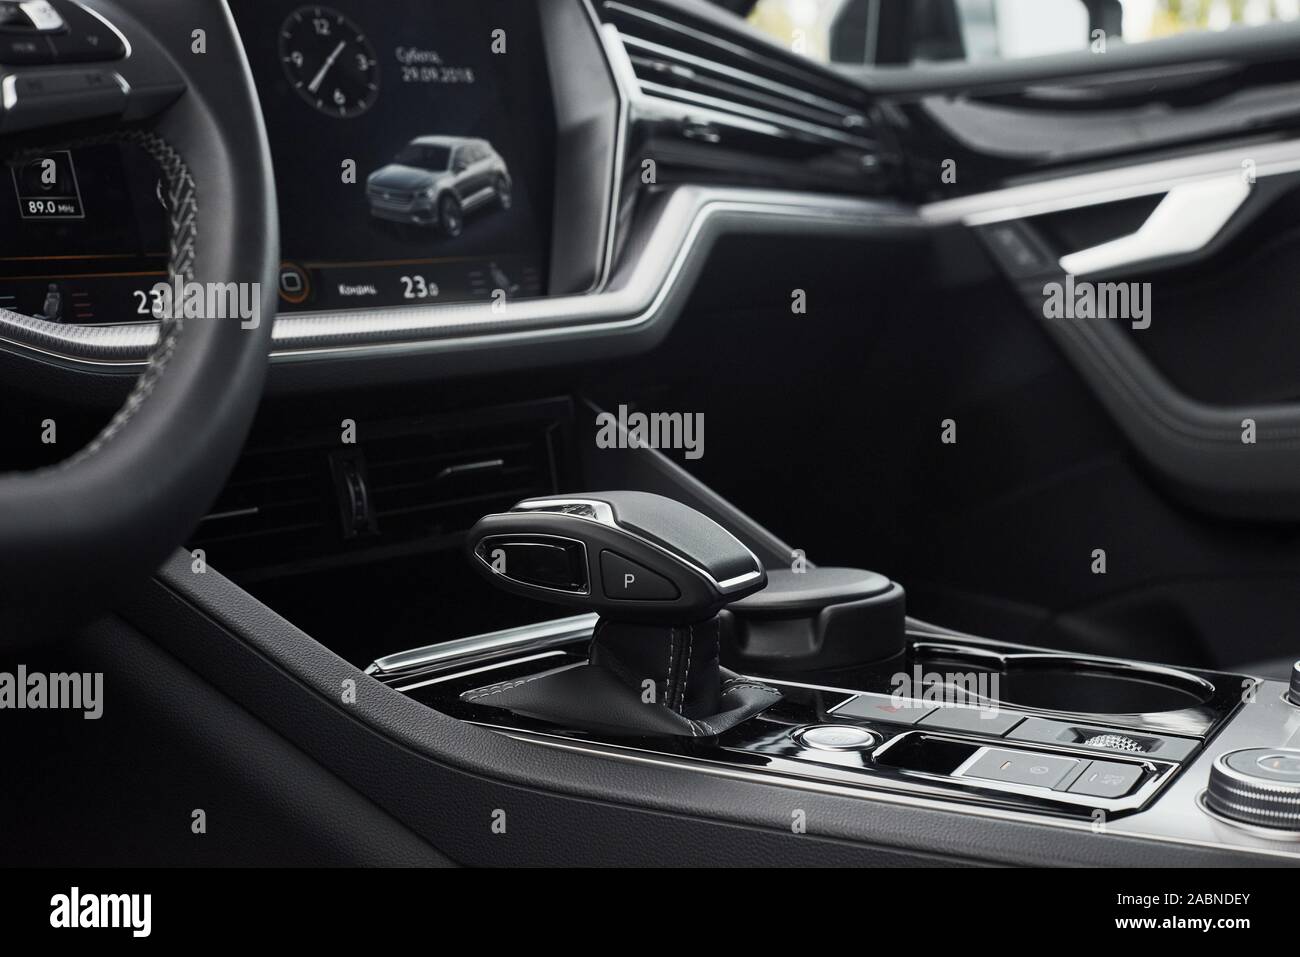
(1293, 693)
(1115, 742)
(1259, 786)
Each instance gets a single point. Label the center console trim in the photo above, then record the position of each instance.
(787, 772)
(787, 779)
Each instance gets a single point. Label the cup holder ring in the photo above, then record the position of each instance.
(1075, 684)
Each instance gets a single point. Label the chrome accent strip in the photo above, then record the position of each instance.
(124, 344)
(603, 514)
(620, 156)
(535, 636)
(690, 222)
(494, 666)
(1005, 658)
(731, 584)
(1186, 221)
(1114, 185)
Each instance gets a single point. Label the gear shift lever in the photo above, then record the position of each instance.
(657, 572)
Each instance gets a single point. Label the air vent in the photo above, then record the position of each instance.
(740, 106)
(405, 486)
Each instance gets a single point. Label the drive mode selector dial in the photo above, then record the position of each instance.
(1257, 786)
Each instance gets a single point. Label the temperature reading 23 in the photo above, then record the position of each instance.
(417, 287)
(329, 61)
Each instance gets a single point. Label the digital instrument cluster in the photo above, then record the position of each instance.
(413, 146)
(83, 234)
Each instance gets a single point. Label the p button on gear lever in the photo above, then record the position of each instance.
(625, 580)
(633, 556)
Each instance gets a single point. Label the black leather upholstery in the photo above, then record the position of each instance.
(641, 680)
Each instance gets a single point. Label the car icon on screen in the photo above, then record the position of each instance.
(438, 181)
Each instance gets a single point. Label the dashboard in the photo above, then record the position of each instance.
(463, 186)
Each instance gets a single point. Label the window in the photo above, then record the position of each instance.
(918, 31)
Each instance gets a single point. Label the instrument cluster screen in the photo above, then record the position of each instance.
(83, 234)
(413, 145)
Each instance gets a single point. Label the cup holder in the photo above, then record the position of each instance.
(1076, 685)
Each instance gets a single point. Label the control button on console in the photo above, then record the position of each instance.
(1259, 786)
(1106, 779)
(1166, 747)
(994, 721)
(1020, 767)
(295, 286)
(625, 580)
(837, 737)
(883, 707)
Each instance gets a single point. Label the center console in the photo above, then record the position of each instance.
(864, 701)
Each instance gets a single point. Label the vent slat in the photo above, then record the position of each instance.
(680, 35)
(776, 122)
(714, 95)
(779, 95)
(427, 481)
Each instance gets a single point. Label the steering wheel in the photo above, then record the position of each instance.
(73, 533)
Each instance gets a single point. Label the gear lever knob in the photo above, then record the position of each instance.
(630, 556)
(657, 572)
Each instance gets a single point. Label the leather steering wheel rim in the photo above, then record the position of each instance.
(73, 533)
